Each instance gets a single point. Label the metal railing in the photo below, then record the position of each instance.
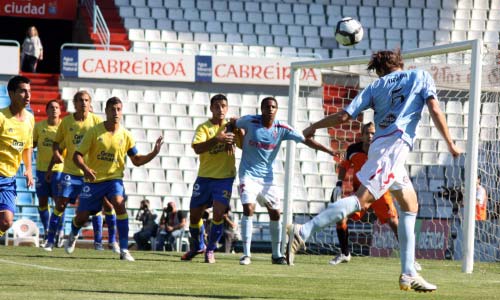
(99, 26)
(92, 46)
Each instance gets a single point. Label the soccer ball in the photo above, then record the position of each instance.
(348, 32)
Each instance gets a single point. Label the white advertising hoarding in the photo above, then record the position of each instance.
(254, 70)
(140, 66)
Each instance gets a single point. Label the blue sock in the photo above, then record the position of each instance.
(246, 234)
(74, 230)
(122, 226)
(197, 232)
(55, 219)
(406, 234)
(215, 234)
(97, 226)
(111, 222)
(335, 212)
(44, 218)
(202, 237)
(275, 230)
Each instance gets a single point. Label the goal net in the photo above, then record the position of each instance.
(446, 187)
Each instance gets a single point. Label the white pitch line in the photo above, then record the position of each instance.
(32, 265)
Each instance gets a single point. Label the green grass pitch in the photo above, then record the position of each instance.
(31, 273)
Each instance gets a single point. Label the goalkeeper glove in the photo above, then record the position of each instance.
(337, 192)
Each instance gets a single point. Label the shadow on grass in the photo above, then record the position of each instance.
(167, 294)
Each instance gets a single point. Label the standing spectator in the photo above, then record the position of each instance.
(32, 51)
(149, 226)
(43, 137)
(263, 137)
(101, 156)
(16, 140)
(172, 223)
(214, 142)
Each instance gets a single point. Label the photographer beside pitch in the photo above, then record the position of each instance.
(149, 226)
(397, 98)
(172, 223)
(104, 147)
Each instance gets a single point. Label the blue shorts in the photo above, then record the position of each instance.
(70, 186)
(8, 194)
(208, 190)
(44, 188)
(93, 193)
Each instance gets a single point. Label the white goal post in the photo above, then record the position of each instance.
(472, 84)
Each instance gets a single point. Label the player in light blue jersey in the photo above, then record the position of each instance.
(397, 98)
(263, 137)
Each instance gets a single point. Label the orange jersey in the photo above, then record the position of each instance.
(481, 206)
(355, 158)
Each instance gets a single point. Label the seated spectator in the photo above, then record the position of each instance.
(149, 226)
(172, 223)
(230, 234)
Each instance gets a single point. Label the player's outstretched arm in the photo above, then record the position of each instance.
(440, 122)
(329, 121)
(27, 164)
(312, 143)
(139, 160)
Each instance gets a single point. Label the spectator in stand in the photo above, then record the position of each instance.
(172, 223)
(32, 50)
(149, 226)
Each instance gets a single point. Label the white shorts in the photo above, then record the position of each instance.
(256, 190)
(385, 168)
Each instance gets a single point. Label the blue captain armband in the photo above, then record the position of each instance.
(132, 151)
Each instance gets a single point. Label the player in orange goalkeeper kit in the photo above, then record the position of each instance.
(384, 208)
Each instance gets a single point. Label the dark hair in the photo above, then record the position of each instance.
(49, 103)
(15, 81)
(385, 61)
(112, 101)
(365, 127)
(266, 99)
(79, 93)
(217, 97)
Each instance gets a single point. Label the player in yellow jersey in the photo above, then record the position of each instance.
(43, 137)
(16, 141)
(214, 183)
(70, 133)
(101, 156)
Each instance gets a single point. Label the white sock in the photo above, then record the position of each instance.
(406, 235)
(246, 234)
(333, 214)
(275, 229)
